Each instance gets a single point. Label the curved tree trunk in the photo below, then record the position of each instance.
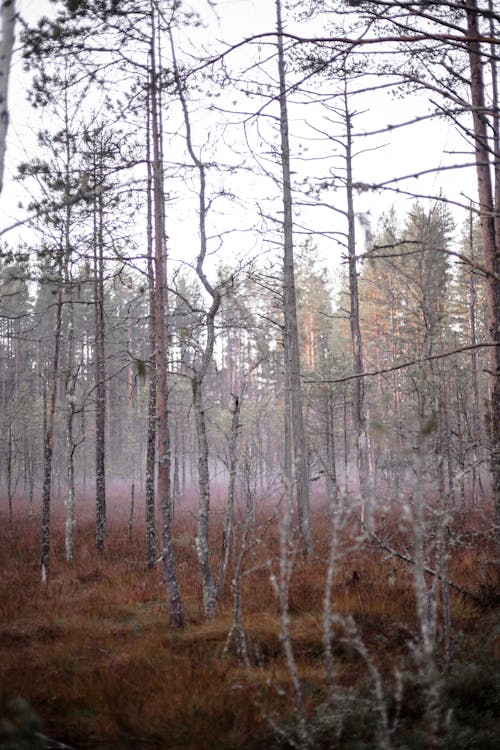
(202, 540)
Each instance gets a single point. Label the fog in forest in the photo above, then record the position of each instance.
(249, 375)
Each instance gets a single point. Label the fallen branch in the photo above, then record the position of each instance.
(401, 556)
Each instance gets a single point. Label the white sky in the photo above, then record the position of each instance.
(406, 151)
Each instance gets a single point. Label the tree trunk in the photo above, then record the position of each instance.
(490, 229)
(164, 497)
(48, 444)
(296, 466)
(10, 492)
(202, 540)
(476, 414)
(152, 416)
(229, 514)
(360, 438)
(8, 18)
(131, 513)
(201, 367)
(99, 353)
(31, 479)
(71, 374)
(70, 443)
(331, 468)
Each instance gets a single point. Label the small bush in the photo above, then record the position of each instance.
(472, 692)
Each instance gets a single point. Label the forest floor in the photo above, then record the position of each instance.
(90, 660)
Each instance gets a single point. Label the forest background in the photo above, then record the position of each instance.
(250, 295)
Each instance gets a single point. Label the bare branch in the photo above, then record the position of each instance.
(403, 365)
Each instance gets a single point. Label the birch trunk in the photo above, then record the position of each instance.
(48, 445)
(202, 539)
(229, 514)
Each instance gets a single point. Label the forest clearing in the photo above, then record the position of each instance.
(93, 654)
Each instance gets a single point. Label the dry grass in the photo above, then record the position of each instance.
(96, 659)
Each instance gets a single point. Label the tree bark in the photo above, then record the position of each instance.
(152, 417)
(331, 468)
(48, 444)
(476, 414)
(229, 514)
(296, 464)
(71, 374)
(70, 442)
(99, 350)
(163, 427)
(202, 540)
(360, 441)
(489, 213)
(8, 19)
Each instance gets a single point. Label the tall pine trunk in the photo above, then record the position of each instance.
(164, 496)
(296, 460)
(489, 213)
(99, 351)
(152, 417)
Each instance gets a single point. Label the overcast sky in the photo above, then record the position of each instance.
(401, 152)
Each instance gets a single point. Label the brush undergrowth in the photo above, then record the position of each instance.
(92, 663)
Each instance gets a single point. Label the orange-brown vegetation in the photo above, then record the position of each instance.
(94, 656)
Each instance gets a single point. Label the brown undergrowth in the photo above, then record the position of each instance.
(94, 657)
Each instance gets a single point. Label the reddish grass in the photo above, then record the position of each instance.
(95, 657)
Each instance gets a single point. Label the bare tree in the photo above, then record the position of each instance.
(201, 367)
